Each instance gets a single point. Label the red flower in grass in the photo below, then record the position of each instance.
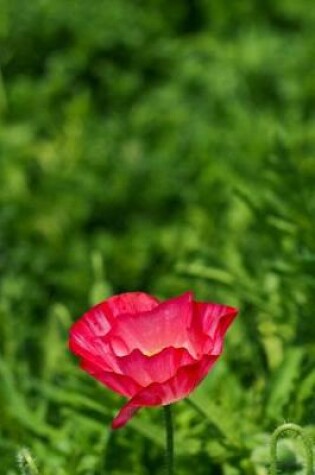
(152, 352)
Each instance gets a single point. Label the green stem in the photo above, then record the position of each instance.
(3, 95)
(306, 442)
(198, 409)
(169, 440)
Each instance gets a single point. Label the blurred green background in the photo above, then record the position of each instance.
(157, 146)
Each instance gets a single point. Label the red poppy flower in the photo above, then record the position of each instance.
(152, 352)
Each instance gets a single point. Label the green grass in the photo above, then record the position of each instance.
(157, 146)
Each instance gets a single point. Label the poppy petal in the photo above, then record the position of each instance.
(150, 332)
(87, 335)
(154, 369)
(176, 388)
(215, 320)
(120, 383)
(131, 303)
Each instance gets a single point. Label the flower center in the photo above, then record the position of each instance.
(151, 352)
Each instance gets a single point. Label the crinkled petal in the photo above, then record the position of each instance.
(131, 303)
(213, 321)
(154, 369)
(87, 335)
(150, 332)
(120, 383)
(176, 388)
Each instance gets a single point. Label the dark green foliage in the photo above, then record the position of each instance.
(157, 146)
